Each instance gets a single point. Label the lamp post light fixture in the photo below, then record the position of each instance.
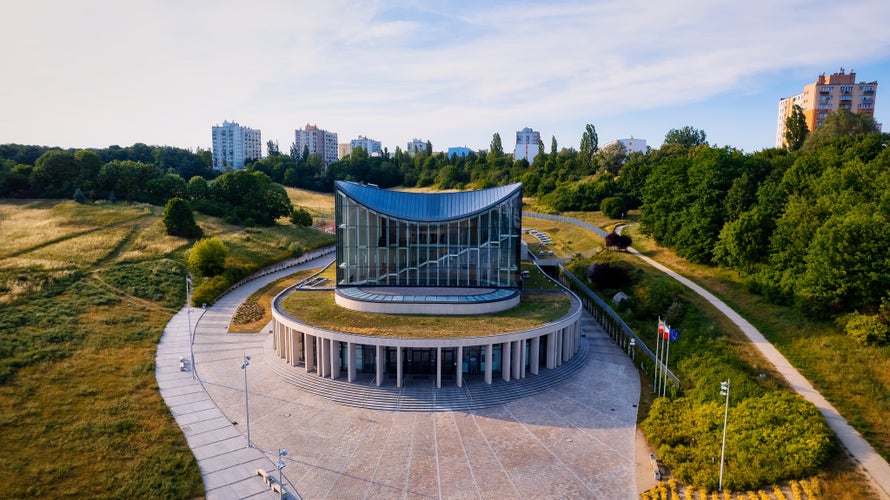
(281, 465)
(188, 305)
(246, 403)
(724, 391)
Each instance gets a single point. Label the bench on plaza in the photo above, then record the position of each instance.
(267, 478)
(277, 488)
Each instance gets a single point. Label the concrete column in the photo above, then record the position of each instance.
(460, 366)
(516, 357)
(379, 365)
(309, 349)
(275, 340)
(576, 338)
(350, 362)
(551, 347)
(534, 354)
(523, 358)
(284, 344)
(335, 359)
(323, 358)
(506, 366)
(566, 342)
(399, 366)
(488, 350)
(438, 368)
(298, 346)
(293, 346)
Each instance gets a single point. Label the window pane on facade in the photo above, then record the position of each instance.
(390, 238)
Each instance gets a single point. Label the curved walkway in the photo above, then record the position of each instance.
(877, 468)
(575, 439)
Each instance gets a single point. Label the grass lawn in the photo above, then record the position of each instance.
(256, 311)
(317, 308)
(568, 239)
(85, 293)
(319, 205)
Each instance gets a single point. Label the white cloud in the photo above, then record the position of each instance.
(94, 73)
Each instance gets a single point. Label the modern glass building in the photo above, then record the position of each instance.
(392, 238)
(415, 253)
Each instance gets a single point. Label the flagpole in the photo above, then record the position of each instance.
(657, 347)
(666, 355)
(656, 377)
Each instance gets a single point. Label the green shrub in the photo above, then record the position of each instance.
(210, 290)
(208, 257)
(300, 217)
(179, 219)
(866, 329)
(296, 249)
(769, 438)
(210, 207)
(655, 297)
(612, 207)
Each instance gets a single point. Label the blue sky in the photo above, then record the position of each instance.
(94, 73)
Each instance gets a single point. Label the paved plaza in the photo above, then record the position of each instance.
(573, 440)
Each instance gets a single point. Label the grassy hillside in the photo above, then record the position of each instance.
(85, 293)
(839, 477)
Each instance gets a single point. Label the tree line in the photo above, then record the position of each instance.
(140, 173)
(806, 225)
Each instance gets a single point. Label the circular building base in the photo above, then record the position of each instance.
(432, 301)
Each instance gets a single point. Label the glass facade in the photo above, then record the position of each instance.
(392, 238)
(422, 361)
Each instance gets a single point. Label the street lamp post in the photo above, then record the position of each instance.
(724, 391)
(633, 351)
(246, 403)
(188, 305)
(281, 465)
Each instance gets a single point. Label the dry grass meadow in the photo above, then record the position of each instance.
(85, 293)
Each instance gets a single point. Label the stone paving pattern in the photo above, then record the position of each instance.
(574, 440)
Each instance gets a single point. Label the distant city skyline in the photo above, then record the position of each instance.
(93, 74)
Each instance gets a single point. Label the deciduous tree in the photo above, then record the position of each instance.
(207, 257)
(796, 130)
(687, 137)
(179, 219)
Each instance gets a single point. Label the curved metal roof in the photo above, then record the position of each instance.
(427, 207)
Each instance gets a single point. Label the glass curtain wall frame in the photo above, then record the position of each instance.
(479, 250)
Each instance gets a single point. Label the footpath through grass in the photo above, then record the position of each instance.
(854, 378)
(839, 477)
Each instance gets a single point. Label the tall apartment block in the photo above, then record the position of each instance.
(632, 145)
(320, 142)
(343, 150)
(416, 146)
(233, 144)
(374, 148)
(528, 145)
(827, 94)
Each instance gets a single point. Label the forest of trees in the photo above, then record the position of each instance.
(807, 225)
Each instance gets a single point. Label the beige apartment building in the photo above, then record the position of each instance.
(827, 94)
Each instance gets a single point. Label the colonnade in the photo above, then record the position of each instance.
(319, 350)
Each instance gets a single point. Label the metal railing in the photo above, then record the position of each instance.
(615, 327)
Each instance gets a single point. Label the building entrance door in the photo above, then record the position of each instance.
(419, 361)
